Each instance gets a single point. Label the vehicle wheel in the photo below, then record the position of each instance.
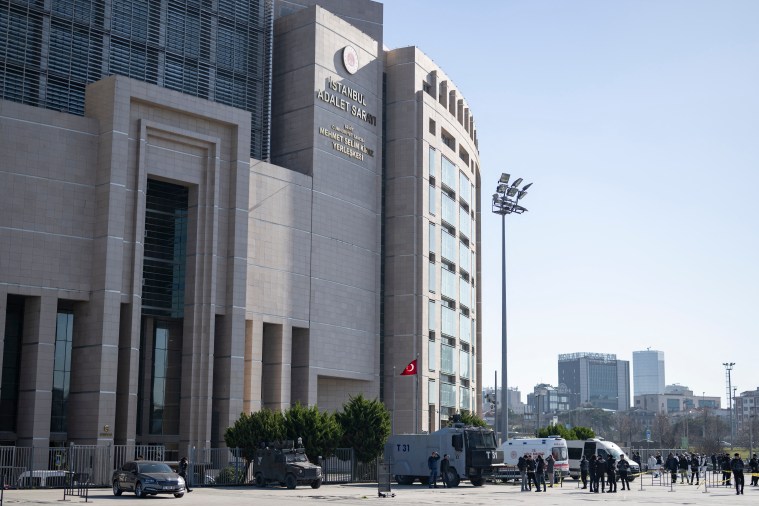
(116, 489)
(402, 479)
(477, 481)
(180, 494)
(316, 483)
(452, 478)
(138, 491)
(259, 478)
(424, 480)
(290, 481)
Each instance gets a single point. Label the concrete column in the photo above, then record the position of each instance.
(36, 375)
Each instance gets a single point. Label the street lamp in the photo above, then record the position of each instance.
(728, 369)
(506, 201)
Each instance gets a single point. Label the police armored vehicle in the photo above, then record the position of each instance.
(284, 464)
(472, 454)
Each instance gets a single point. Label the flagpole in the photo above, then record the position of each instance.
(418, 396)
(392, 427)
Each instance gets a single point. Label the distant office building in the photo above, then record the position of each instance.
(548, 399)
(675, 399)
(746, 407)
(648, 372)
(601, 380)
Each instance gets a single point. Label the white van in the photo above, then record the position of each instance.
(543, 446)
(600, 447)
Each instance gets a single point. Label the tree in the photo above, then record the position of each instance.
(366, 427)
(569, 434)
(250, 430)
(583, 433)
(468, 418)
(319, 431)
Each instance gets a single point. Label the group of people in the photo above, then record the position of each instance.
(602, 470)
(683, 463)
(533, 470)
(735, 467)
(440, 467)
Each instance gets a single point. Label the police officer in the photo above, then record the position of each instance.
(754, 466)
(584, 472)
(672, 465)
(623, 467)
(531, 472)
(736, 466)
(593, 471)
(611, 475)
(601, 475)
(433, 463)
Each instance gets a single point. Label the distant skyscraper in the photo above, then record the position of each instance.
(601, 380)
(648, 372)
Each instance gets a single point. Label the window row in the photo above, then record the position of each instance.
(451, 177)
(459, 326)
(445, 393)
(451, 249)
(464, 296)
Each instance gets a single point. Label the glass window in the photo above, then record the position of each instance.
(449, 173)
(466, 328)
(447, 363)
(431, 355)
(448, 249)
(431, 165)
(432, 197)
(448, 321)
(465, 257)
(448, 209)
(431, 315)
(448, 284)
(431, 277)
(465, 222)
(447, 395)
(431, 392)
(432, 238)
(464, 364)
(465, 398)
(464, 188)
(64, 336)
(465, 293)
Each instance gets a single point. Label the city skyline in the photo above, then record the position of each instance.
(630, 118)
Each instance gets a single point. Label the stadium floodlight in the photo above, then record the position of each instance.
(506, 201)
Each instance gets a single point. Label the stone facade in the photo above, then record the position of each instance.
(276, 270)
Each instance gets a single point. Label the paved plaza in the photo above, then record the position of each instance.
(413, 495)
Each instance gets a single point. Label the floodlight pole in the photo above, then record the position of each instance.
(506, 201)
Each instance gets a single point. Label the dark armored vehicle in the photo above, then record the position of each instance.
(286, 465)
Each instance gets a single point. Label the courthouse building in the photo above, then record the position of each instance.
(214, 207)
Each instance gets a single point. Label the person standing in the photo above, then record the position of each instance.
(522, 466)
(445, 464)
(736, 466)
(593, 471)
(652, 466)
(623, 466)
(694, 464)
(530, 472)
(584, 472)
(672, 466)
(550, 461)
(682, 462)
(433, 462)
(754, 466)
(611, 475)
(601, 473)
(183, 467)
(540, 473)
(725, 465)
(714, 464)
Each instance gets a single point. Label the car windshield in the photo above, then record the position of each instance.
(154, 467)
(480, 440)
(297, 457)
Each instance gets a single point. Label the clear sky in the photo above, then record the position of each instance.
(638, 123)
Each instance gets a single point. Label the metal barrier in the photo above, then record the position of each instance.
(84, 466)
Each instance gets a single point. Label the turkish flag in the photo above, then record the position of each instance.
(410, 369)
